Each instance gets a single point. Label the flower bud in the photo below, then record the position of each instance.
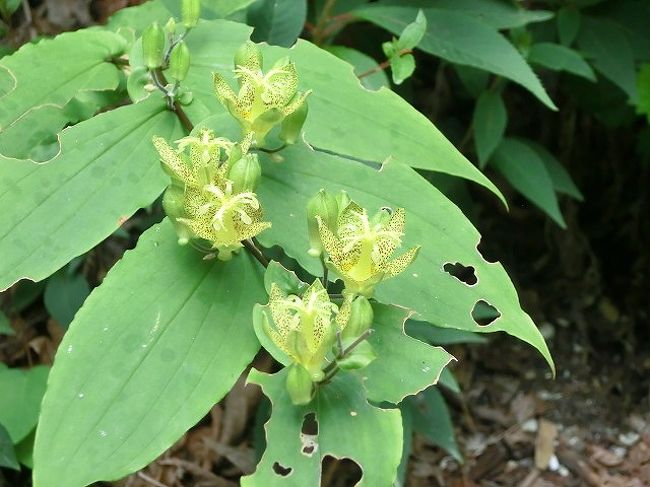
(179, 61)
(324, 206)
(292, 124)
(361, 317)
(170, 26)
(153, 45)
(173, 203)
(299, 385)
(190, 12)
(249, 56)
(245, 174)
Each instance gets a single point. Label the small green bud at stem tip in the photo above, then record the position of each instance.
(245, 174)
(153, 45)
(179, 61)
(299, 385)
(190, 12)
(322, 205)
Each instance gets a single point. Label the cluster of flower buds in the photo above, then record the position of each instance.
(264, 100)
(212, 192)
(359, 248)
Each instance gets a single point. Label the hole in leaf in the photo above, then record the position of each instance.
(345, 471)
(281, 470)
(309, 425)
(463, 273)
(484, 313)
(309, 435)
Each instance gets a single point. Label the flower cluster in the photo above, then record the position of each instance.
(264, 100)
(212, 192)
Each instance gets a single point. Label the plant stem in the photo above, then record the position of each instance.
(271, 151)
(160, 81)
(256, 252)
(331, 370)
(325, 273)
(382, 66)
(319, 28)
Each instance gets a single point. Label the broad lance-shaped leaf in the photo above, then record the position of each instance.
(106, 170)
(348, 427)
(432, 221)
(153, 348)
(343, 116)
(462, 39)
(47, 75)
(404, 366)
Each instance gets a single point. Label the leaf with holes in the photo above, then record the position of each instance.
(404, 365)
(343, 116)
(489, 122)
(46, 76)
(294, 454)
(105, 170)
(525, 170)
(434, 294)
(462, 39)
(161, 355)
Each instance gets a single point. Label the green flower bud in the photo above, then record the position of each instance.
(190, 12)
(292, 124)
(170, 26)
(173, 203)
(299, 385)
(153, 46)
(249, 56)
(361, 317)
(245, 174)
(358, 358)
(323, 206)
(179, 61)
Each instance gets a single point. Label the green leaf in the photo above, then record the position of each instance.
(153, 348)
(413, 33)
(407, 438)
(278, 22)
(64, 295)
(448, 380)
(489, 122)
(404, 365)
(425, 286)
(25, 450)
(348, 427)
(7, 454)
(463, 39)
(440, 336)
(19, 410)
(5, 326)
(605, 44)
(525, 170)
(495, 13)
(560, 58)
(402, 67)
(106, 169)
(562, 181)
(46, 76)
(343, 116)
(223, 8)
(362, 63)
(568, 24)
(432, 419)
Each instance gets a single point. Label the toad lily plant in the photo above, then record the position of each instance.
(315, 278)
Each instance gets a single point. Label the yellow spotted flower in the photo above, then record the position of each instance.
(202, 200)
(264, 100)
(360, 248)
(305, 327)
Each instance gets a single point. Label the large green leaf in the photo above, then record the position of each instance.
(404, 365)
(462, 39)
(604, 42)
(446, 236)
(525, 170)
(20, 400)
(560, 58)
(278, 22)
(489, 124)
(46, 76)
(152, 349)
(496, 13)
(348, 427)
(343, 116)
(105, 170)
